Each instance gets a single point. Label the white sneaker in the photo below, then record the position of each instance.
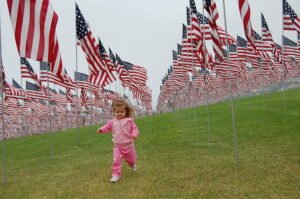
(115, 179)
(134, 168)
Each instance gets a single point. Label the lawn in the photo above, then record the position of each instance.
(179, 156)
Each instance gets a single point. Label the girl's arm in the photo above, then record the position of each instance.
(106, 128)
(134, 131)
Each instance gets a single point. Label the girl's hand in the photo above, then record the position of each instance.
(134, 135)
(99, 130)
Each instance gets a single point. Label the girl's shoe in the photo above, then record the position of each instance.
(134, 167)
(115, 179)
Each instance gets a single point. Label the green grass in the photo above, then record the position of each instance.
(177, 156)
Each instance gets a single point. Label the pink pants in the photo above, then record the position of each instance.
(123, 151)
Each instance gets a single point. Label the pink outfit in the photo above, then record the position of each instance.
(124, 132)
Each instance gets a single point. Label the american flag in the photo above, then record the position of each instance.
(82, 80)
(34, 24)
(298, 44)
(182, 65)
(197, 36)
(267, 36)
(28, 72)
(110, 95)
(211, 8)
(187, 56)
(99, 79)
(56, 65)
(188, 16)
(104, 56)
(2, 74)
(103, 78)
(124, 76)
(246, 15)
(89, 44)
(290, 19)
(81, 76)
(44, 66)
(32, 87)
(290, 49)
(138, 73)
(46, 75)
(206, 29)
(242, 51)
(13, 92)
(61, 92)
(114, 61)
(298, 41)
(84, 97)
(33, 91)
(178, 64)
(53, 91)
(260, 44)
(262, 47)
(246, 53)
(16, 84)
(59, 98)
(69, 96)
(68, 81)
(195, 25)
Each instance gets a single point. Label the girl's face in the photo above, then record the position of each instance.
(120, 112)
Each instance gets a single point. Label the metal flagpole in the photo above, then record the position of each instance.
(120, 85)
(90, 112)
(263, 81)
(207, 108)
(77, 105)
(50, 131)
(116, 82)
(192, 52)
(236, 157)
(282, 71)
(2, 106)
(23, 121)
(251, 71)
(205, 65)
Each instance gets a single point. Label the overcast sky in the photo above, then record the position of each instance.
(143, 32)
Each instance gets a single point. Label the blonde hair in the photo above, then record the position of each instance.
(122, 103)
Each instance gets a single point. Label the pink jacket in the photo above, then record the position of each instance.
(124, 131)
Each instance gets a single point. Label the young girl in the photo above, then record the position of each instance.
(124, 132)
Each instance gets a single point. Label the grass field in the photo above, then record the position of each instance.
(177, 156)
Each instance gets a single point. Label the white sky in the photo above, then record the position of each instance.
(143, 32)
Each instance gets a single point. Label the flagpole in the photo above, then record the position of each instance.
(207, 112)
(206, 87)
(117, 81)
(282, 71)
(50, 131)
(91, 102)
(77, 105)
(54, 108)
(92, 107)
(263, 78)
(2, 106)
(192, 52)
(236, 157)
(23, 121)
